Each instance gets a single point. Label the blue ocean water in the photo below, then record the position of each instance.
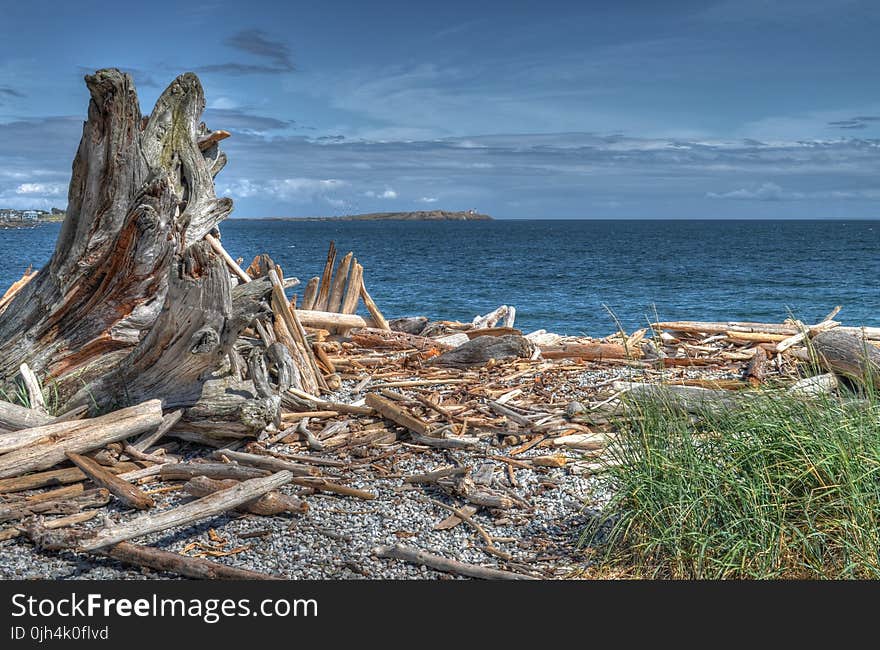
(560, 274)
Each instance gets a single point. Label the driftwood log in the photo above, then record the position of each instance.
(847, 352)
(479, 350)
(409, 325)
(191, 567)
(417, 556)
(14, 417)
(127, 493)
(46, 452)
(690, 399)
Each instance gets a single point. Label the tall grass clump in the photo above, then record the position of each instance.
(776, 488)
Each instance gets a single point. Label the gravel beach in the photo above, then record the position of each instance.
(335, 539)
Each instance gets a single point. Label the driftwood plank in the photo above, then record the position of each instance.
(55, 477)
(149, 439)
(702, 327)
(415, 556)
(323, 485)
(60, 522)
(328, 320)
(186, 471)
(14, 417)
(381, 323)
(218, 248)
(334, 303)
(129, 494)
(46, 453)
(310, 293)
(189, 513)
(271, 503)
(397, 414)
(58, 429)
(370, 337)
(191, 567)
(64, 505)
(267, 462)
(323, 297)
(589, 351)
(32, 384)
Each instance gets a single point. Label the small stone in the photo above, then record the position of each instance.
(574, 408)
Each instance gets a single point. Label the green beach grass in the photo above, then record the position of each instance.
(777, 488)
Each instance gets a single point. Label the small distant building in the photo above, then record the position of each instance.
(30, 215)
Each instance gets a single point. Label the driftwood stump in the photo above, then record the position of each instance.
(134, 303)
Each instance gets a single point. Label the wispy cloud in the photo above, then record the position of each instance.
(258, 43)
(241, 121)
(297, 189)
(859, 122)
(6, 91)
(773, 192)
(276, 55)
(764, 192)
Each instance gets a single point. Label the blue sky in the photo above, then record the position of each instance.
(720, 109)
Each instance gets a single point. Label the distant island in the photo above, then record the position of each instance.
(422, 215)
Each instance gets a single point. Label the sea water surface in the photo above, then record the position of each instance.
(562, 274)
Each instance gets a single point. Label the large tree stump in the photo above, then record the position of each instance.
(134, 303)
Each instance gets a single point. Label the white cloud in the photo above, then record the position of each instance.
(428, 199)
(299, 190)
(387, 194)
(223, 103)
(26, 196)
(41, 189)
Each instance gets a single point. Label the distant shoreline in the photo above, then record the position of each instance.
(424, 215)
(23, 225)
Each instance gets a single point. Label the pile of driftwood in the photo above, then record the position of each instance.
(143, 339)
(485, 402)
